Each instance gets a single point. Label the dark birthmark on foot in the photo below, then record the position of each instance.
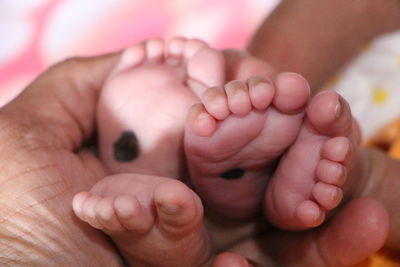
(127, 147)
(233, 174)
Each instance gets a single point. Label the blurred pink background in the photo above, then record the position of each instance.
(38, 33)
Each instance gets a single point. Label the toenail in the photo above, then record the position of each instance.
(344, 151)
(260, 84)
(233, 174)
(218, 99)
(285, 81)
(336, 194)
(348, 153)
(235, 87)
(202, 116)
(170, 208)
(255, 81)
(338, 108)
(127, 147)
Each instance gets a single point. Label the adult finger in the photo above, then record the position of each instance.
(59, 106)
(40, 175)
(230, 259)
(357, 230)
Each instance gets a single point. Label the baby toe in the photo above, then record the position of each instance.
(238, 98)
(261, 92)
(216, 103)
(174, 51)
(310, 214)
(77, 203)
(89, 211)
(192, 46)
(206, 68)
(328, 196)
(292, 93)
(131, 57)
(336, 149)
(200, 122)
(132, 215)
(179, 210)
(330, 114)
(106, 216)
(331, 172)
(155, 50)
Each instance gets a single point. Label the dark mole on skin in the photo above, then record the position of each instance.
(233, 174)
(127, 147)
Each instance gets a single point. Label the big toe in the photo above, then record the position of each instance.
(330, 114)
(206, 68)
(179, 209)
(292, 93)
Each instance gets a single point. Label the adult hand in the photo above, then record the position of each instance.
(42, 132)
(42, 167)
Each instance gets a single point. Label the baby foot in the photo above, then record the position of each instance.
(234, 138)
(154, 221)
(310, 178)
(143, 106)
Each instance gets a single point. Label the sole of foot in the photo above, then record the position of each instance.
(235, 137)
(142, 107)
(311, 176)
(147, 216)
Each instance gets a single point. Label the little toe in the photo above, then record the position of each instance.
(261, 92)
(330, 114)
(310, 214)
(89, 211)
(238, 98)
(77, 203)
(328, 196)
(292, 93)
(155, 50)
(199, 122)
(178, 208)
(132, 215)
(336, 149)
(105, 215)
(216, 103)
(331, 172)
